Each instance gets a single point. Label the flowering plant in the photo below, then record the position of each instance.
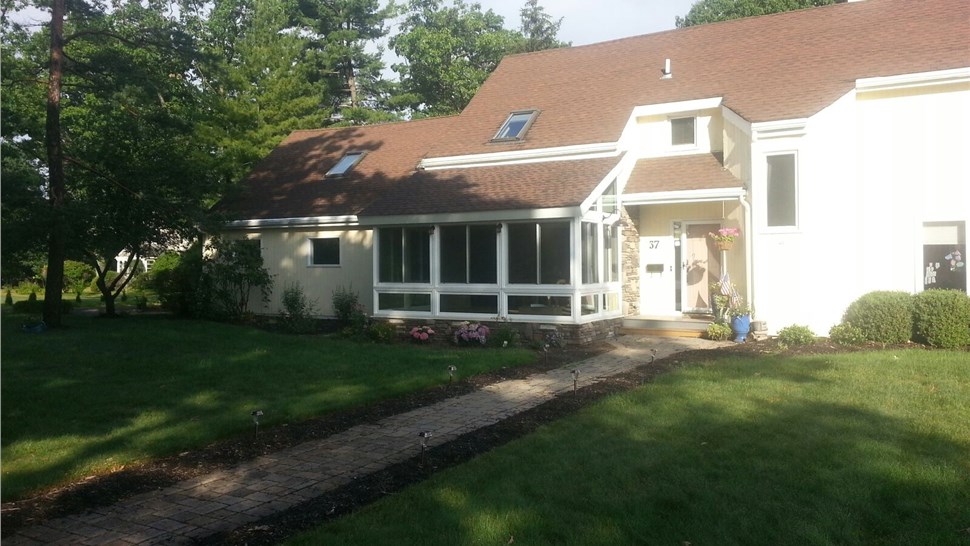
(725, 234)
(472, 331)
(422, 333)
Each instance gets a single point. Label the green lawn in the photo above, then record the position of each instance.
(102, 393)
(863, 448)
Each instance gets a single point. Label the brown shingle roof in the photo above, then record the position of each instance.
(290, 181)
(680, 173)
(782, 66)
(507, 187)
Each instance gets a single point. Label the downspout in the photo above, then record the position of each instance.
(748, 245)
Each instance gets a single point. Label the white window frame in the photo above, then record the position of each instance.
(795, 192)
(684, 145)
(502, 134)
(310, 252)
(354, 157)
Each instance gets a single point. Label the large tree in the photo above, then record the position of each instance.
(340, 32)
(711, 11)
(448, 52)
(262, 70)
(127, 164)
(539, 30)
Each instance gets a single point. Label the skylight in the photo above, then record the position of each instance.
(516, 126)
(345, 164)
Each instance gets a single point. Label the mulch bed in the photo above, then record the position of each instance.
(109, 489)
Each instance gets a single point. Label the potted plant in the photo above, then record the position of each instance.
(724, 237)
(740, 315)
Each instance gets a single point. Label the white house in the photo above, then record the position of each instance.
(579, 186)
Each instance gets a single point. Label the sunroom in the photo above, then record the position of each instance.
(558, 264)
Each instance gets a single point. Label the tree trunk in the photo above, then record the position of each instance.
(57, 193)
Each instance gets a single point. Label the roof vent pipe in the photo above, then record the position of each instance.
(666, 71)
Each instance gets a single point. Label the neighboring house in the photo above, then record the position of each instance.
(579, 185)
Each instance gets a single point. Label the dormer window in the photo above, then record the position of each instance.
(345, 164)
(682, 132)
(516, 126)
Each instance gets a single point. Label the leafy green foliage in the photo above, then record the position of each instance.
(847, 334)
(347, 307)
(795, 335)
(504, 336)
(712, 11)
(77, 276)
(176, 279)
(883, 316)
(941, 318)
(231, 274)
(298, 310)
(448, 52)
(718, 331)
(539, 30)
(8, 298)
(382, 332)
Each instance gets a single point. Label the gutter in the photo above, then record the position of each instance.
(349, 220)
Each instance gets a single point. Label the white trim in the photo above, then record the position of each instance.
(471, 217)
(679, 107)
(736, 120)
(918, 79)
(583, 151)
(307, 221)
(682, 196)
(779, 129)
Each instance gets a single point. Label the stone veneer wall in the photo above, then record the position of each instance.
(630, 255)
(529, 332)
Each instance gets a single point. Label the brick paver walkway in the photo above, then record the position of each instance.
(228, 499)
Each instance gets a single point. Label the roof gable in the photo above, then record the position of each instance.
(781, 66)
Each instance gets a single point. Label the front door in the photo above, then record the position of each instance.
(701, 265)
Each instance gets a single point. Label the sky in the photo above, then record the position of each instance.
(590, 21)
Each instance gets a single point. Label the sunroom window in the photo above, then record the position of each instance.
(468, 254)
(538, 253)
(516, 125)
(404, 255)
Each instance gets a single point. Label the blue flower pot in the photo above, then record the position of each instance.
(741, 327)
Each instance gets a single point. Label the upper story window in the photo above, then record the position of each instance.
(345, 164)
(782, 191)
(682, 132)
(325, 251)
(516, 126)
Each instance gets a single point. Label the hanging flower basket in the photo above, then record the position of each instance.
(724, 237)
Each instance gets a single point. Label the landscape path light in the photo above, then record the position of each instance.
(256, 415)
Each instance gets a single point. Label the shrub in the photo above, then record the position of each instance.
(471, 332)
(422, 334)
(718, 331)
(941, 318)
(298, 310)
(347, 307)
(847, 334)
(883, 316)
(382, 332)
(796, 334)
(26, 287)
(36, 306)
(8, 298)
(230, 274)
(176, 279)
(77, 277)
(504, 336)
(32, 297)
